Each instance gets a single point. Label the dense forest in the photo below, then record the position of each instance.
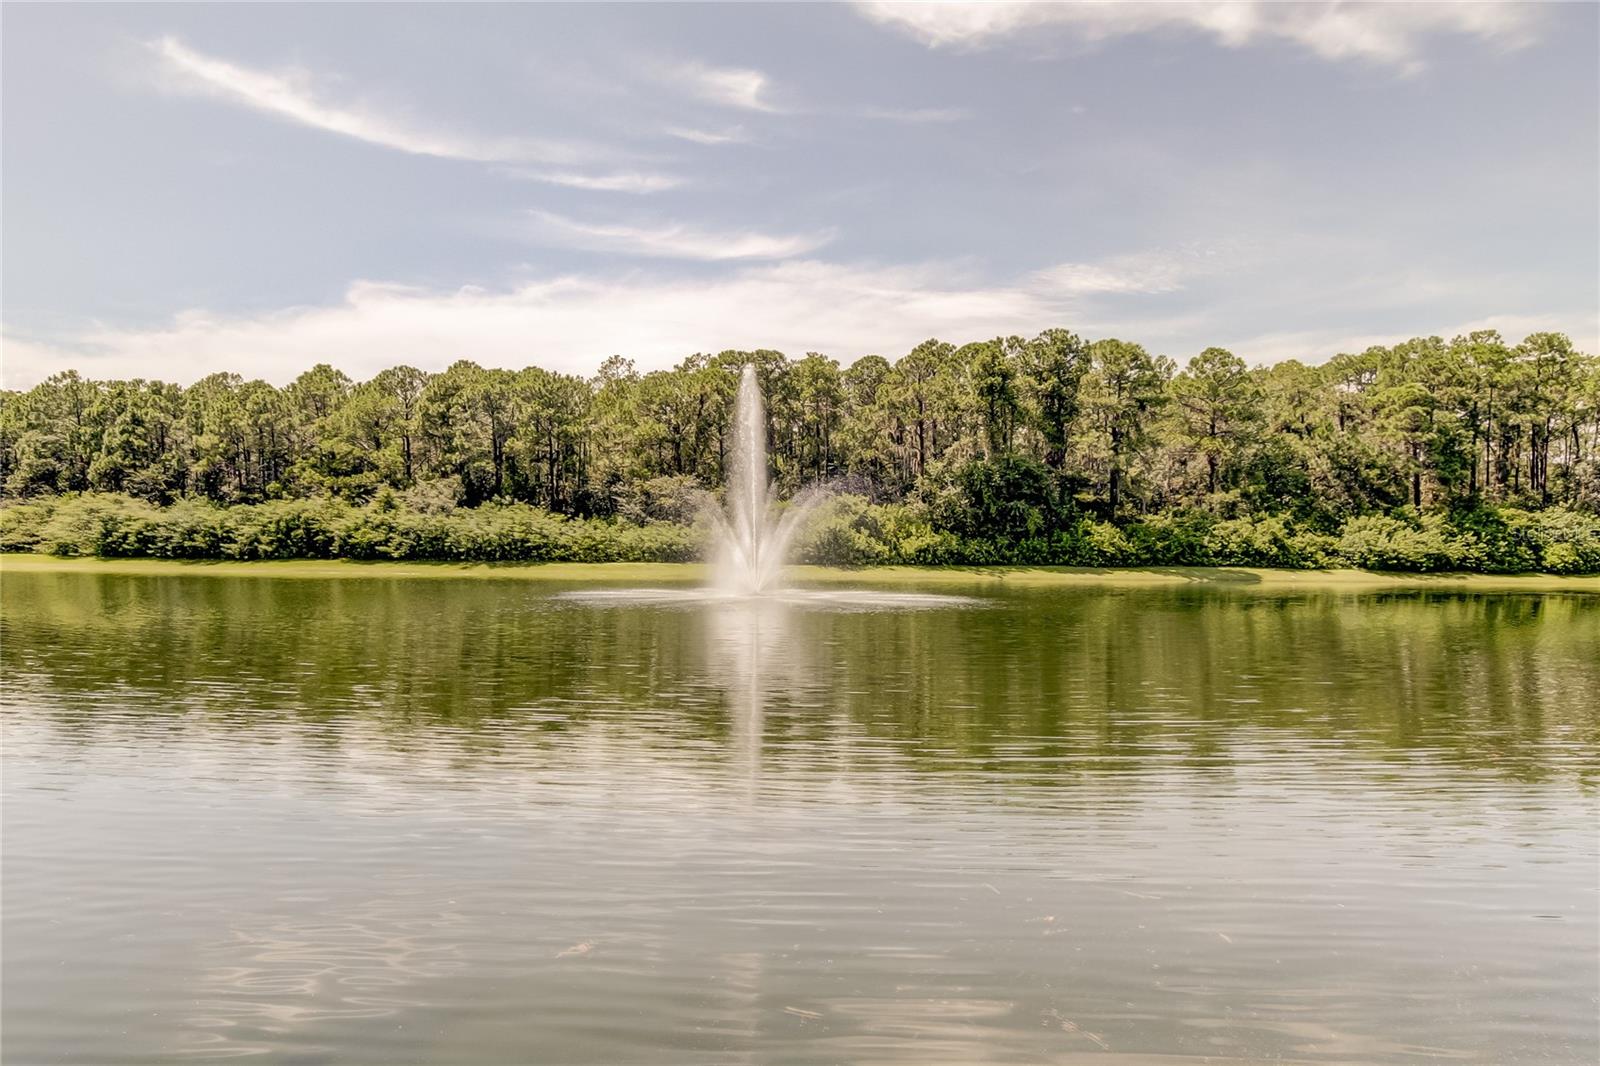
(1471, 453)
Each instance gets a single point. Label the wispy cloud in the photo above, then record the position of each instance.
(618, 181)
(674, 240)
(1150, 272)
(1388, 33)
(732, 135)
(728, 86)
(1316, 345)
(573, 322)
(751, 90)
(291, 95)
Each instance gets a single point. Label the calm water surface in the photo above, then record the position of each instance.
(468, 821)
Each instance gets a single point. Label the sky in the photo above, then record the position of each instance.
(258, 188)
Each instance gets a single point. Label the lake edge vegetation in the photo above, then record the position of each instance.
(1470, 455)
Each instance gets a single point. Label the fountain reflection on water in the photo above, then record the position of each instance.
(754, 535)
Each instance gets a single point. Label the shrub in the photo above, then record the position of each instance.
(439, 496)
(1265, 541)
(1169, 540)
(95, 524)
(1007, 499)
(844, 530)
(22, 524)
(1503, 538)
(109, 525)
(1378, 542)
(1314, 550)
(678, 498)
(189, 529)
(1568, 541)
(926, 547)
(1105, 545)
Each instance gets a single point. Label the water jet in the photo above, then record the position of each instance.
(751, 543)
(752, 537)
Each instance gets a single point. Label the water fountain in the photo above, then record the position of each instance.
(753, 536)
(751, 545)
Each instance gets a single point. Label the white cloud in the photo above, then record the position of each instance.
(733, 135)
(1318, 345)
(565, 323)
(618, 181)
(1152, 272)
(1389, 33)
(291, 95)
(729, 86)
(673, 240)
(750, 90)
(573, 322)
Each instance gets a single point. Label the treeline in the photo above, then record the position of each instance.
(1007, 449)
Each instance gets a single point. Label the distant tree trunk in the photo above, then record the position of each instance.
(1116, 470)
(1544, 463)
(922, 439)
(1572, 463)
(1488, 448)
(1472, 467)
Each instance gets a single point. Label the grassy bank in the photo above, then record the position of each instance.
(694, 573)
(634, 573)
(1217, 576)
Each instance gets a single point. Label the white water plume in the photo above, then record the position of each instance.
(753, 538)
(751, 544)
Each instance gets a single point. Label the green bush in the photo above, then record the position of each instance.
(678, 498)
(1267, 540)
(22, 524)
(97, 524)
(110, 526)
(1379, 542)
(1314, 550)
(1502, 539)
(1106, 545)
(1008, 499)
(845, 530)
(1568, 541)
(1169, 540)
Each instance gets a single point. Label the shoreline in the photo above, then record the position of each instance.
(692, 573)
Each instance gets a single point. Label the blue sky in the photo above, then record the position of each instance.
(258, 188)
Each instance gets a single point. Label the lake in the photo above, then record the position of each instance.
(378, 820)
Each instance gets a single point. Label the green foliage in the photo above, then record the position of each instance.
(1012, 498)
(673, 498)
(1106, 545)
(1432, 453)
(108, 525)
(844, 530)
(22, 524)
(1218, 409)
(1269, 540)
(1566, 541)
(1378, 542)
